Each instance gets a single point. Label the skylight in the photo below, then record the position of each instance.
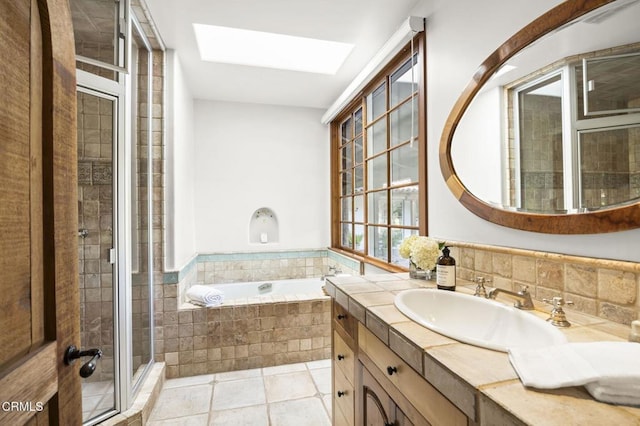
(270, 50)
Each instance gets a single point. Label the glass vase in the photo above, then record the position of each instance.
(419, 273)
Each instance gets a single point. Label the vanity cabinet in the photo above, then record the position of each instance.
(343, 351)
(373, 386)
(378, 408)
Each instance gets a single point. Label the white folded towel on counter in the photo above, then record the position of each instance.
(204, 295)
(610, 371)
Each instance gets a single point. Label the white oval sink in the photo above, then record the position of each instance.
(477, 321)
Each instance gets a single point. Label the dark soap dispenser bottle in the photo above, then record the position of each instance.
(446, 271)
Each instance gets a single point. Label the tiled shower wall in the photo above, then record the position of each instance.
(541, 166)
(605, 288)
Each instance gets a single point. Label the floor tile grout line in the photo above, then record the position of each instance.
(211, 408)
(214, 381)
(266, 399)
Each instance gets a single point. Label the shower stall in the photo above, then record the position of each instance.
(115, 201)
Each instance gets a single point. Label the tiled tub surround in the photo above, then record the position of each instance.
(480, 382)
(279, 291)
(241, 335)
(608, 289)
(222, 268)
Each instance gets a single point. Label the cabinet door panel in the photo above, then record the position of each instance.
(431, 404)
(377, 403)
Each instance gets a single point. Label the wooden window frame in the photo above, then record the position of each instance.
(360, 102)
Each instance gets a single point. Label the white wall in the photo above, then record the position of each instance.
(251, 156)
(180, 245)
(476, 150)
(460, 35)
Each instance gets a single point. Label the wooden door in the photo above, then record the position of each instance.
(39, 304)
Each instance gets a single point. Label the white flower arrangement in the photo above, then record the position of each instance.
(422, 251)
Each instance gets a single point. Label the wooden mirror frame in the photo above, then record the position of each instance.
(606, 220)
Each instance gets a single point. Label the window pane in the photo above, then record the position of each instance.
(346, 183)
(358, 211)
(377, 207)
(613, 84)
(397, 236)
(94, 28)
(402, 85)
(346, 131)
(347, 161)
(345, 206)
(377, 103)
(404, 164)
(359, 154)
(377, 172)
(540, 121)
(377, 138)
(359, 175)
(607, 176)
(346, 235)
(357, 117)
(400, 122)
(359, 239)
(378, 244)
(405, 209)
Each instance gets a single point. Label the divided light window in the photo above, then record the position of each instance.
(379, 176)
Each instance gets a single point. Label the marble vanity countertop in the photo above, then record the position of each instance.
(480, 382)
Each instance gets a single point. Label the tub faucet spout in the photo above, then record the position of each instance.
(522, 298)
(333, 271)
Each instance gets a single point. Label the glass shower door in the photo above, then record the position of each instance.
(97, 114)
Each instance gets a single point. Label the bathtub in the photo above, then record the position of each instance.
(276, 291)
(286, 322)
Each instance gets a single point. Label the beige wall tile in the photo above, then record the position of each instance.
(502, 264)
(582, 280)
(524, 269)
(550, 274)
(617, 286)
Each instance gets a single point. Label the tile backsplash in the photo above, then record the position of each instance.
(601, 287)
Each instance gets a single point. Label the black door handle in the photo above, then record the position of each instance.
(72, 353)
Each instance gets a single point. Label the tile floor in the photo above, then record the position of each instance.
(285, 395)
(97, 397)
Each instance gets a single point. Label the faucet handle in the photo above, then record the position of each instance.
(557, 316)
(557, 302)
(480, 290)
(524, 290)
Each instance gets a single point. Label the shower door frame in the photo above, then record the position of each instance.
(115, 91)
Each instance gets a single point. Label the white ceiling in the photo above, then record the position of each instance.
(365, 23)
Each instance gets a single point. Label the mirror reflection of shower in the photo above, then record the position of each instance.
(556, 129)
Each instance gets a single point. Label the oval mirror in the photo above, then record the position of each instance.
(546, 137)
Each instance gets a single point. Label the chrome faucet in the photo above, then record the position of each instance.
(480, 290)
(557, 316)
(333, 271)
(523, 297)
